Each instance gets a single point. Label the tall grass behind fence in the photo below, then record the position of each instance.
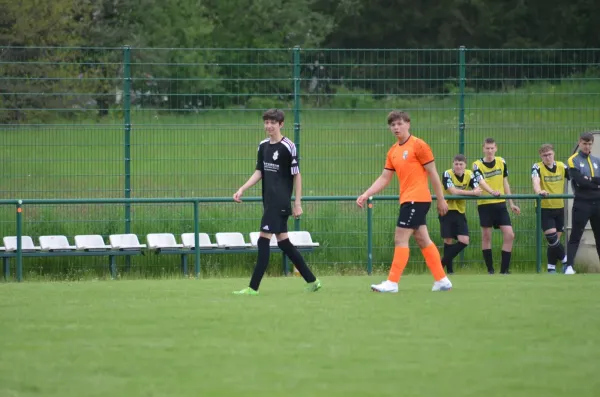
(144, 122)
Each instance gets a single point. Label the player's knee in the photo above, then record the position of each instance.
(552, 239)
(402, 236)
(422, 237)
(575, 236)
(486, 236)
(464, 239)
(285, 243)
(508, 234)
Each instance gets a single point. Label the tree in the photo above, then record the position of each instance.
(29, 71)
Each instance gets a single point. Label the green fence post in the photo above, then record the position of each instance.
(296, 53)
(461, 99)
(127, 131)
(538, 234)
(461, 113)
(6, 265)
(127, 139)
(196, 237)
(296, 88)
(19, 242)
(370, 235)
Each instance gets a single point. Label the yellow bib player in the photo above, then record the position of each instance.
(548, 177)
(453, 226)
(491, 173)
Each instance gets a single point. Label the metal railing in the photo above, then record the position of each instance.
(20, 204)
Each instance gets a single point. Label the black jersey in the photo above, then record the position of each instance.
(278, 164)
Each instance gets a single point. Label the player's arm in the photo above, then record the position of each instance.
(482, 183)
(297, 210)
(435, 180)
(449, 185)
(595, 179)
(437, 187)
(513, 207)
(507, 191)
(380, 183)
(582, 181)
(253, 180)
(460, 192)
(535, 181)
(475, 189)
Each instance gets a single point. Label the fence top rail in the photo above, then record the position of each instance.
(298, 47)
(254, 199)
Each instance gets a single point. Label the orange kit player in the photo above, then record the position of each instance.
(412, 161)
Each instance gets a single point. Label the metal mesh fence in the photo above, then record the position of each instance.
(144, 122)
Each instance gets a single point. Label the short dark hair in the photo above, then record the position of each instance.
(546, 147)
(587, 137)
(460, 157)
(489, 141)
(274, 115)
(398, 115)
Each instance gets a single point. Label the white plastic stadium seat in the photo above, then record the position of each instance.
(90, 242)
(231, 240)
(55, 243)
(162, 240)
(254, 236)
(302, 239)
(125, 242)
(10, 243)
(203, 238)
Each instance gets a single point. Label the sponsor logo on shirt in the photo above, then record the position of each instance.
(490, 174)
(272, 167)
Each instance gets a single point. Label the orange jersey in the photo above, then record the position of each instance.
(407, 160)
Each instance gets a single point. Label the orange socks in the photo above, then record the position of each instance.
(399, 263)
(433, 261)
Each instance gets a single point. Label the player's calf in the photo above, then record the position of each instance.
(296, 257)
(555, 252)
(451, 251)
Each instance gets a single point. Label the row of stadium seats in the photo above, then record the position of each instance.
(129, 245)
(154, 241)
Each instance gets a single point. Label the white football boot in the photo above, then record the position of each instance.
(442, 285)
(385, 286)
(569, 270)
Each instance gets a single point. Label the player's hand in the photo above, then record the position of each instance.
(360, 201)
(297, 210)
(477, 191)
(442, 206)
(515, 209)
(237, 196)
(495, 193)
(543, 193)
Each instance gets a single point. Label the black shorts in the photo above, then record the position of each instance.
(553, 218)
(412, 215)
(453, 224)
(493, 215)
(275, 220)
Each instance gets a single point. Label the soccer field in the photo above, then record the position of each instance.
(518, 335)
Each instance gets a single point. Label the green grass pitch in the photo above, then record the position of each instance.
(519, 335)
